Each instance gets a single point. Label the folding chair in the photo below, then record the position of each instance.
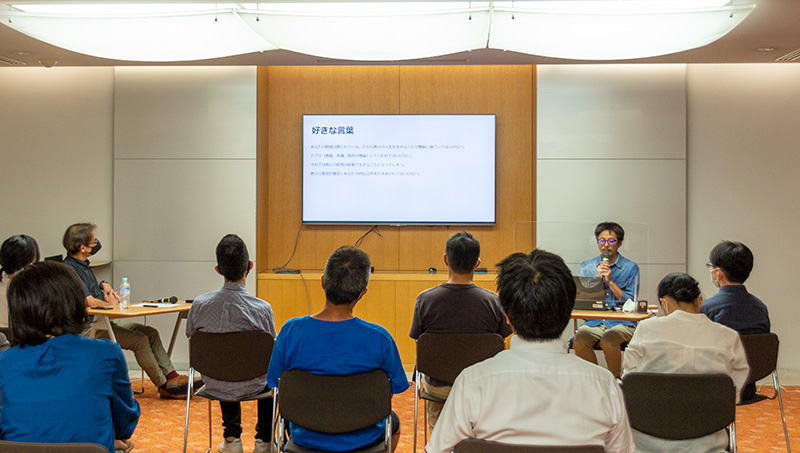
(442, 356)
(333, 404)
(7, 446)
(231, 357)
(762, 356)
(484, 446)
(681, 406)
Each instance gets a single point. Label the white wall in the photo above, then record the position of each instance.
(744, 182)
(184, 176)
(611, 145)
(56, 164)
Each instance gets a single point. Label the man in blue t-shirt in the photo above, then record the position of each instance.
(334, 342)
(621, 282)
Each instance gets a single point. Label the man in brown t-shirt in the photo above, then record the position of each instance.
(456, 306)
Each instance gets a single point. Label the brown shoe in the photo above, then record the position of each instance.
(172, 393)
(178, 383)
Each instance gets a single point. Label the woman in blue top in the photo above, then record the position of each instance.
(56, 386)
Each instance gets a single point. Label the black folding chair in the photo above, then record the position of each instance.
(442, 356)
(231, 357)
(333, 405)
(485, 446)
(762, 356)
(681, 406)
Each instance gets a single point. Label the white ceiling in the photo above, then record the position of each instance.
(774, 24)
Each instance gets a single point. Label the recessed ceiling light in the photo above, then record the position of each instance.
(766, 49)
(22, 52)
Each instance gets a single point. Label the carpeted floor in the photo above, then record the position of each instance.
(160, 428)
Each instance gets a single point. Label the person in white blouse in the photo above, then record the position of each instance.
(684, 341)
(535, 393)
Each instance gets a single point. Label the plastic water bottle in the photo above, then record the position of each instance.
(125, 294)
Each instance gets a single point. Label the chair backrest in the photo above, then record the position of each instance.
(334, 404)
(442, 356)
(761, 350)
(233, 356)
(679, 406)
(7, 446)
(485, 446)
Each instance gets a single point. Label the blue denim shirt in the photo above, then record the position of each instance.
(625, 273)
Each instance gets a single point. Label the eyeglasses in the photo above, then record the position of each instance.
(602, 241)
(710, 266)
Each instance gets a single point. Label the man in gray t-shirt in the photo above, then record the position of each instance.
(233, 309)
(456, 306)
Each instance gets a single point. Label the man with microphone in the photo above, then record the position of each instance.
(621, 282)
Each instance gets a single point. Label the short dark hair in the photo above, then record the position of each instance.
(233, 261)
(613, 227)
(78, 234)
(537, 293)
(346, 275)
(734, 258)
(462, 251)
(679, 286)
(45, 298)
(17, 252)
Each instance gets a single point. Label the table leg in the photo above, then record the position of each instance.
(107, 323)
(181, 316)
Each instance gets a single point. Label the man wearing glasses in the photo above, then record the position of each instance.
(733, 306)
(620, 279)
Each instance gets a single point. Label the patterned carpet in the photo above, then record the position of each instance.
(160, 428)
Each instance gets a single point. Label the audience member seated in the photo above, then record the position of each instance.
(334, 342)
(15, 253)
(535, 393)
(730, 264)
(81, 242)
(684, 341)
(456, 306)
(621, 280)
(55, 385)
(233, 309)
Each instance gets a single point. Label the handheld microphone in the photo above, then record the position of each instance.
(172, 300)
(604, 258)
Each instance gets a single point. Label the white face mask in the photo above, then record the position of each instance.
(715, 280)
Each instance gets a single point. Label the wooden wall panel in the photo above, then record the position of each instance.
(286, 93)
(292, 92)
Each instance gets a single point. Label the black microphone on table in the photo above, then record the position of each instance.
(171, 300)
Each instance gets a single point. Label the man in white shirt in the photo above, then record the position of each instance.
(535, 393)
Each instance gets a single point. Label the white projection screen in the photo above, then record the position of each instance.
(399, 169)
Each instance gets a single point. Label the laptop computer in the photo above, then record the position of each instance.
(591, 293)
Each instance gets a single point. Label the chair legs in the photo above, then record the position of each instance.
(210, 441)
(188, 400)
(780, 403)
(425, 420)
(417, 377)
(189, 391)
(732, 438)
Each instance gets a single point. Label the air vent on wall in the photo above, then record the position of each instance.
(11, 61)
(791, 56)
